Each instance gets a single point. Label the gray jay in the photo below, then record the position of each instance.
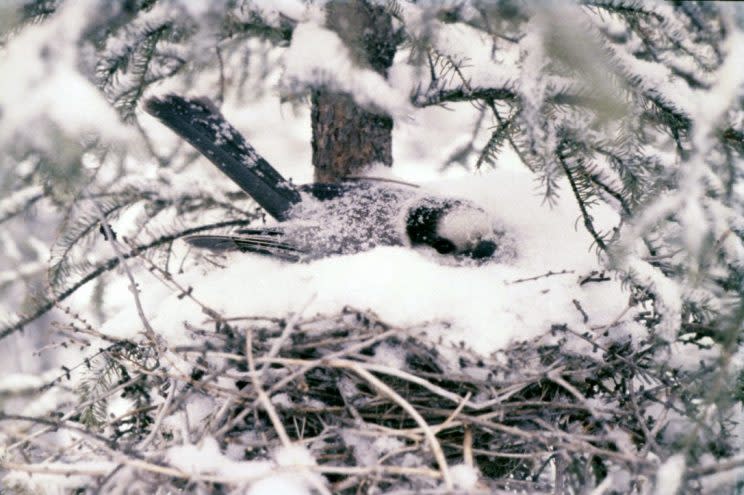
(319, 220)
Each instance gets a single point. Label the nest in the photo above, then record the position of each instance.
(384, 409)
(381, 409)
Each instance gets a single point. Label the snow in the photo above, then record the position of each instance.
(294, 455)
(277, 484)
(318, 57)
(669, 476)
(668, 302)
(39, 69)
(532, 81)
(464, 225)
(384, 445)
(284, 475)
(368, 449)
(486, 305)
(483, 307)
(15, 200)
(272, 10)
(19, 382)
(700, 216)
(390, 356)
(50, 483)
(206, 459)
(198, 409)
(464, 476)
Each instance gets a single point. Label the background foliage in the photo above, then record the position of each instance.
(638, 105)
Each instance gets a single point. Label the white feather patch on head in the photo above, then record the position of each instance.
(464, 225)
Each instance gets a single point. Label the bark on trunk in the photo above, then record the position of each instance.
(347, 137)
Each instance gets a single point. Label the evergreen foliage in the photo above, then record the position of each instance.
(601, 98)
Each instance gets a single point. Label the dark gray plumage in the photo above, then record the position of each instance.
(318, 220)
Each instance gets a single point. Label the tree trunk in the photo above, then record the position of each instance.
(347, 137)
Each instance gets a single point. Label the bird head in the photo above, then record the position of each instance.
(452, 227)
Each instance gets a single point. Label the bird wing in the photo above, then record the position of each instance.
(200, 123)
(270, 231)
(260, 244)
(324, 191)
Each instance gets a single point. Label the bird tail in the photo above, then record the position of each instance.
(200, 123)
(268, 245)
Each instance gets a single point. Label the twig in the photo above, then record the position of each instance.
(221, 84)
(588, 223)
(428, 433)
(149, 331)
(537, 277)
(306, 366)
(580, 309)
(262, 397)
(161, 415)
(467, 446)
(454, 414)
(69, 414)
(109, 265)
(715, 468)
(403, 375)
(286, 332)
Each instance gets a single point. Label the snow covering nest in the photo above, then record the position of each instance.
(548, 281)
(348, 346)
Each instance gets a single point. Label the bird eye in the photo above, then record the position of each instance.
(484, 249)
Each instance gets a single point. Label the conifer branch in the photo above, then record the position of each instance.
(106, 266)
(587, 218)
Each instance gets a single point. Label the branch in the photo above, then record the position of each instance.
(582, 206)
(109, 265)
